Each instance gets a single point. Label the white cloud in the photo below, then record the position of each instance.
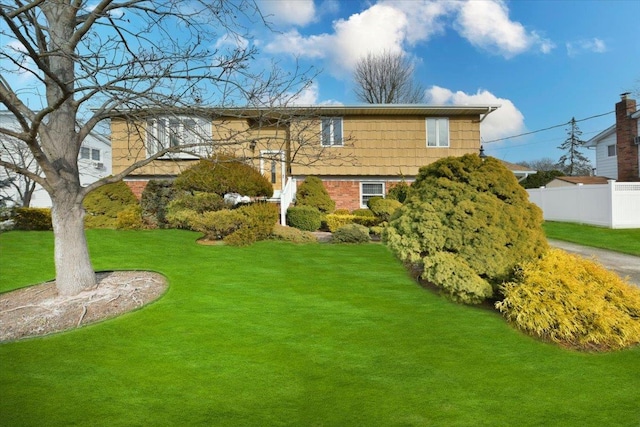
(377, 29)
(288, 12)
(505, 121)
(393, 25)
(594, 45)
(486, 25)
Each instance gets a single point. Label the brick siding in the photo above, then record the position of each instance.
(626, 131)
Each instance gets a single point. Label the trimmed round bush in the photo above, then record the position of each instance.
(155, 197)
(351, 233)
(466, 225)
(573, 301)
(216, 225)
(222, 175)
(103, 204)
(258, 220)
(383, 209)
(311, 192)
(305, 218)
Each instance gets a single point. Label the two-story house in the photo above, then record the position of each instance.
(357, 151)
(617, 154)
(94, 162)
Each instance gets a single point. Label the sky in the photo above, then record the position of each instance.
(543, 61)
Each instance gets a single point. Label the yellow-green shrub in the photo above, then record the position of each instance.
(33, 219)
(335, 221)
(103, 204)
(130, 218)
(217, 225)
(182, 218)
(573, 301)
(292, 234)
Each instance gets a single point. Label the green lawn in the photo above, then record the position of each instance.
(302, 335)
(620, 240)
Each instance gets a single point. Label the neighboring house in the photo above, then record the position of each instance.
(357, 151)
(94, 161)
(521, 172)
(617, 154)
(569, 181)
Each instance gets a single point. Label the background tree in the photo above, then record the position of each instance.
(573, 162)
(548, 170)
(88, 60)
(19, 189)
(387, 78)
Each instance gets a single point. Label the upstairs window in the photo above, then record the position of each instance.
(169, 132)
(437, 132)
(331, 131)
(612, 150)
(87, 153)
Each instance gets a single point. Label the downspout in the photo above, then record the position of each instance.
(489, 111)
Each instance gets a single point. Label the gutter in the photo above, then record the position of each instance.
(490, 110)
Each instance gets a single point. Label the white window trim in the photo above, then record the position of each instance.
(426, 128)
(153, 140)
(362, 183)
(91, 152)
(331, 132)
(615, 149)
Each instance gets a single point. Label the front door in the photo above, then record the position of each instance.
(272, 166)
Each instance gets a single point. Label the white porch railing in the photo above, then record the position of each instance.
(613, 205)
(287, 196)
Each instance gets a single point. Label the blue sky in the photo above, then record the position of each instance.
(543, 61)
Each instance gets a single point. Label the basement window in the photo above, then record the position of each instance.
(369, 190)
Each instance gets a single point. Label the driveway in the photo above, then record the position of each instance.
(624, 265)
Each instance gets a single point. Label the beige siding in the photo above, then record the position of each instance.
(391, 146)
(373, 145)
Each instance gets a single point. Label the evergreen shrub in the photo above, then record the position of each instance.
(197, 201)
(383, 209)
(103, 204)
(257, 224)
(573, 301)
(130, 218)
(335, 221)
(311, 192)
(32, 219)
(216, 225)
(465, 226)
(224, 174)
(306, 218)
(351, 233)
(398, 192)
(182, 218)
(155, 197)
(292, 235)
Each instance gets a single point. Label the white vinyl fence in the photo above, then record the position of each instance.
(613, 205)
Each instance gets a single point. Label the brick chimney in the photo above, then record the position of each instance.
(626, 131)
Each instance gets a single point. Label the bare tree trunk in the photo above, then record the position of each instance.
(74, 271)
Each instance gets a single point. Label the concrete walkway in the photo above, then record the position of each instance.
(624, 265)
